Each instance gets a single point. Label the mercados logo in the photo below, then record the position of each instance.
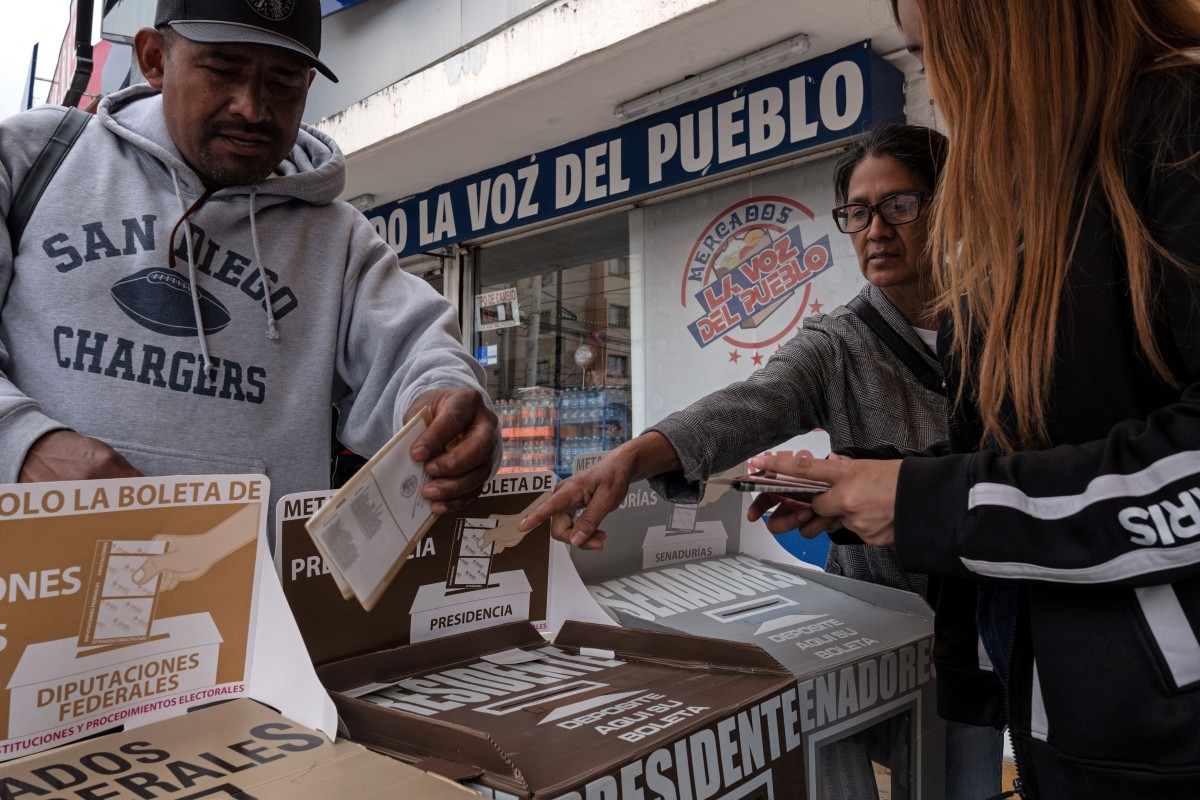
(747, 277)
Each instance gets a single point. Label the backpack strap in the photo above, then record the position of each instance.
(908, 354)
(43, 169)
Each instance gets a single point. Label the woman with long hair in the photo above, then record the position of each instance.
(1066, 248)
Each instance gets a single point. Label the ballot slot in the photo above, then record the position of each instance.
(539, 697)
(749, 608)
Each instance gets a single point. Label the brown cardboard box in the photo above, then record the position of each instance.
(237, 749)
(604, 713)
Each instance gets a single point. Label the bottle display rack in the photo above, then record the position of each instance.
(544, 429)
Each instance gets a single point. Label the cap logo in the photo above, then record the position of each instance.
(274, 10)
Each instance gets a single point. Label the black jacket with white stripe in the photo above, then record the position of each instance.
(1100, 534)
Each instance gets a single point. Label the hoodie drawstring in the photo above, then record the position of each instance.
(209, 368)
(272, 330)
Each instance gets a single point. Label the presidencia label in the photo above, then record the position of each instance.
(817, 102)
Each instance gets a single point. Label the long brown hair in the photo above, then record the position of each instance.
(1034, 94)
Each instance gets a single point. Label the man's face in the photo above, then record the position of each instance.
(233, 110)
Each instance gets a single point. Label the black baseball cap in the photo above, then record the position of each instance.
(291, 24)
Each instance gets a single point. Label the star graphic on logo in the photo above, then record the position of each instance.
(815, 307)
(734, 356)
(757, 359)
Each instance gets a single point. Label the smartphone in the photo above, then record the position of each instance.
(772, 483)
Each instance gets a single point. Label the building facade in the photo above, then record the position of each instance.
(627, 200)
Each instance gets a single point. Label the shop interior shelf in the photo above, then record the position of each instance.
(538, 432)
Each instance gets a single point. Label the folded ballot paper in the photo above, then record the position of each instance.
(370, 526)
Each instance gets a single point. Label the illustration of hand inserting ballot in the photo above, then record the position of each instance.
(504, 534)
(189, 557)
(128, 576)
(476, 542)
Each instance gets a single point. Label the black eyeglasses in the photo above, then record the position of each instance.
(896, 209)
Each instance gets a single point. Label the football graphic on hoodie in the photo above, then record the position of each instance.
(161, 300)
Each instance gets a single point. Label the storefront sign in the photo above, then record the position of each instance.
(824, 100)
(497, 309)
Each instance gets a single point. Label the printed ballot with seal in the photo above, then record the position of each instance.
(375, 521)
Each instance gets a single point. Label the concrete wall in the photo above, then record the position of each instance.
(374, 44)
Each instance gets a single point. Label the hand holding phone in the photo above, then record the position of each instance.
(774, 483)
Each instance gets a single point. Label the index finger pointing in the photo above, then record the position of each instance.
(556, 503)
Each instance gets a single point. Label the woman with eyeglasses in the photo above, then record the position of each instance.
(1066, 247)
(836, 374)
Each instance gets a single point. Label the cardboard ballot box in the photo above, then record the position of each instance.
(604, 712)
(235, 749)
(471, 570)
(860, 653)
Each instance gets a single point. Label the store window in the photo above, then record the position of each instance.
(556, 343)
(662, 304)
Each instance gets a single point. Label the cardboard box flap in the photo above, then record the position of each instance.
(809, 621)
(693, 651)
(462, 749)
(345, 674)
(874, 593)
(450, 750)
(233, 749)
(458, 579)
(143, 598)
(451, 770)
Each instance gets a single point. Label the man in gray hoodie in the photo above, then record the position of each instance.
(189, 296)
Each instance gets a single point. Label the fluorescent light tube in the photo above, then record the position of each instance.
(745, 68)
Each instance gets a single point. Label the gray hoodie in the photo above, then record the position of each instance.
(100, 335)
